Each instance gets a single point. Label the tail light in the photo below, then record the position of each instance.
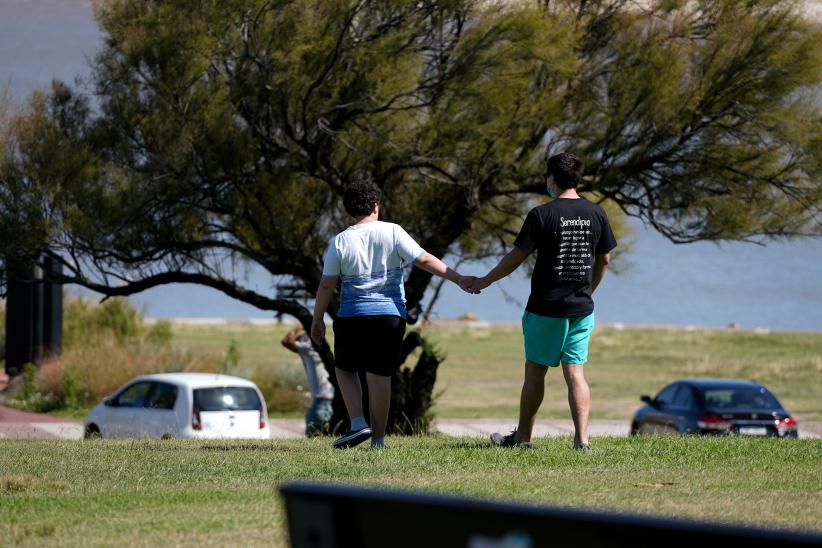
(195, 420)
(262, 417)
(714, 422)
(786, 425)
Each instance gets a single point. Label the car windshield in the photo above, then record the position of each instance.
(226, 398)
(745, 397)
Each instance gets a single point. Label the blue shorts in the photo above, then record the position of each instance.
(549, 341)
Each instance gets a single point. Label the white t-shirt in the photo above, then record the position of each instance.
(369, 259)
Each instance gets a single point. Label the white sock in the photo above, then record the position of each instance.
(358, 423)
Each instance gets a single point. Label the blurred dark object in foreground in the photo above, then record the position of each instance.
(338, 516)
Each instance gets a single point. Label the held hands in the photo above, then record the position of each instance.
(472, 284)
(317, 331)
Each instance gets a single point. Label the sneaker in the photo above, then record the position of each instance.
(352, 438)
(508, 441)
(583, 447)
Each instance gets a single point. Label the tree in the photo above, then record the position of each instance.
(220, 133)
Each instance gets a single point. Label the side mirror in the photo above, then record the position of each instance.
(647, 399)
(107, 401)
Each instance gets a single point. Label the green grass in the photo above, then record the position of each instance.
(482, 373)
(219, 493)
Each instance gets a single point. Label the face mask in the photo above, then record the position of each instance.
(550, 190)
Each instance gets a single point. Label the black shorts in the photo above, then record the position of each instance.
(369, 343)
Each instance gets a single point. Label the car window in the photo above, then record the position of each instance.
(226, 398)
(740, 398)
(666, 397)
(133, 396)
(163, 396)
(684, 398)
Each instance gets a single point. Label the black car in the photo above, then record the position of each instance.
(714, 406)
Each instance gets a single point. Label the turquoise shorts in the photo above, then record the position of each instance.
(549, 341)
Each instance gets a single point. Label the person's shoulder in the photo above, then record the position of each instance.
(542, 209)
(585, 203)
(599, 210)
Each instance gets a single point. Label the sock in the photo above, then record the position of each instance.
(358, 423)
(378, 443)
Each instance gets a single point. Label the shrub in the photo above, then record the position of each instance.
(84, 319)
(160, 333)
(2, 334)
(107, 344)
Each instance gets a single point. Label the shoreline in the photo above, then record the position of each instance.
(484, 324)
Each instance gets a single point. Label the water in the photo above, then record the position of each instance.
(696, 284)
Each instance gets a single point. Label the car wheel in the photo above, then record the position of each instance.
(634, 429)
(92, 432)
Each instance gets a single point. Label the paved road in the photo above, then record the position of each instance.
(293, 428)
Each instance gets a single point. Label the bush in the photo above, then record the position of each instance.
(2, 334)
(160, 333)
(107, 344)
(84, 319)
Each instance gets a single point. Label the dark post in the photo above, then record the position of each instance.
(52, 308)
(20, 313)
(34, 315)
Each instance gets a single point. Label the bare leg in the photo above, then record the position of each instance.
(351, 392)
(533, 390)
(379, 400)
(579, 399)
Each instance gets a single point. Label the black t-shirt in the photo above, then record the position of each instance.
(567, 234)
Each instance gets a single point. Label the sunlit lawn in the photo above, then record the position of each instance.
(67, 493)
(482, 372)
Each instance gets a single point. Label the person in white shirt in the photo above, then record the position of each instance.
(319, 415)
(368, 258)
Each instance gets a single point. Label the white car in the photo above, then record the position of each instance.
(181, 405)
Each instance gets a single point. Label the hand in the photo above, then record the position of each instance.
(478, 285)
(467, 284)
(318, 331)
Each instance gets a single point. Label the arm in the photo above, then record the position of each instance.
(507, 264)
(290, 339)
(324, 292)
(600, 263)
(431, 264)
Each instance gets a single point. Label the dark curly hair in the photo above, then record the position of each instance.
(361, 197)
(566, 169)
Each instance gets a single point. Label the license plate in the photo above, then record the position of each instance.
(753, 430)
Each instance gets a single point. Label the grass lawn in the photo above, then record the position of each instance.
(220, 493)
(482, 373)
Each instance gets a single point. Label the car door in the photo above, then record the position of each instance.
(683, 411)
(125, 410)
(159, 418)
(661, 416)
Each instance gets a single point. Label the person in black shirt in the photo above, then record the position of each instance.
(573, 240)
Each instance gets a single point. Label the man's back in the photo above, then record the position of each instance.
(567, 235)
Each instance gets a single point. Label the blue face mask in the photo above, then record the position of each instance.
(549, 188)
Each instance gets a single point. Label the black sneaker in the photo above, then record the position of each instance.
(583, 448)
(508, 441)
(352, 438)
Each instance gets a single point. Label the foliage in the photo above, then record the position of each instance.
(223, 133)
(232, 355)
(2, 333)
(84, 319)
(106, 345)
(226, 131)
